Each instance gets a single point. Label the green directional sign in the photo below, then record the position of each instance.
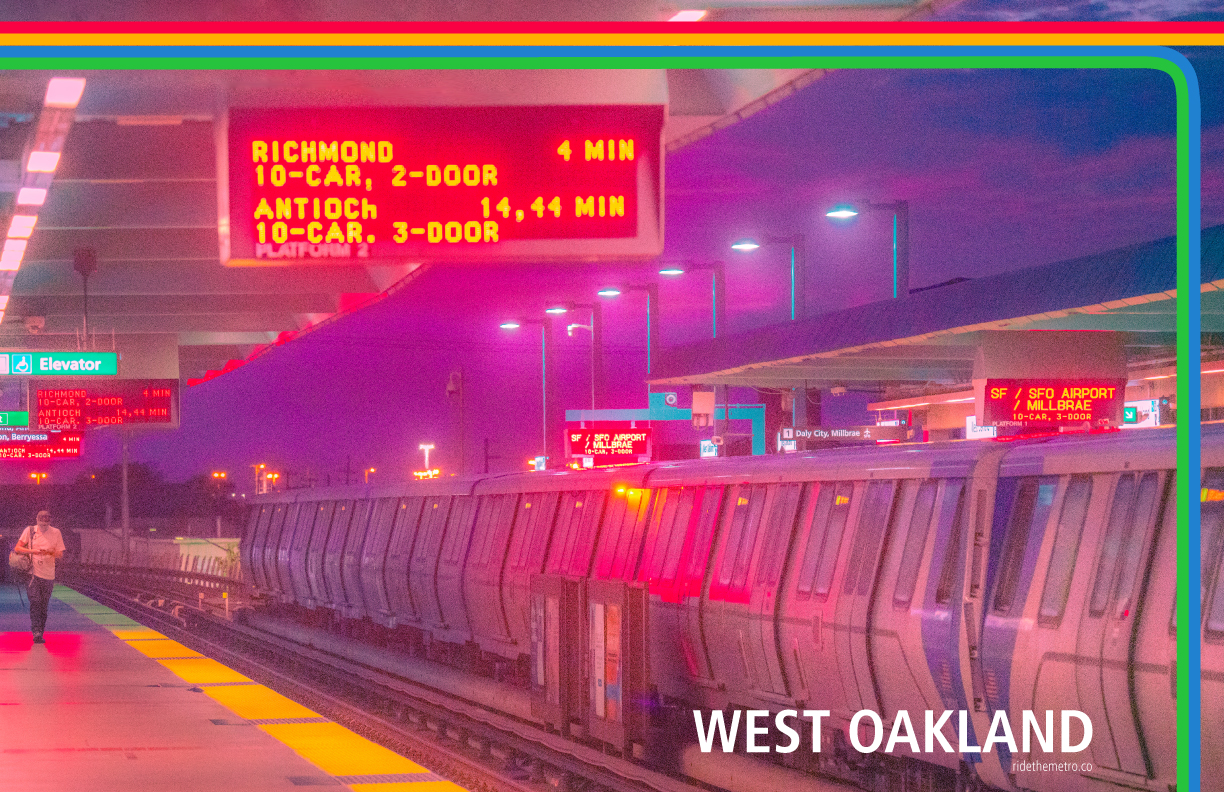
(59, 364)
(14, 418)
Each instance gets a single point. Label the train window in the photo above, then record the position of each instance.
(915, 543)
(1215, 614)
(1066, 547)
(680, 526)
(1211, 510)
(578, 557)
(829, 511)
(816, 516)
(1117, 532)
(778, 529)
(1029, 514)
(459, 530)
(662, 520)
(1141, 514)
(620, 539)
(741, 535)
(699, 553)
(953, 511)
(872, 523)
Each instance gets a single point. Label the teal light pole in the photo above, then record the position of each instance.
(545, 342)
(901, 243)
(718, 290)
(798, 267)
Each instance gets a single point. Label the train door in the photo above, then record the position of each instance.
(808, 654)
(299, 545)
(852, 612)
(1107, 625)
(483, 571)
(423, 572)
(350, 561)
(256, 524)
(1024, 508)
(724, 621)
(897, 645)
(399, 557)
(454, 554)
(276, 558)
(374, 560)
(669, 523)
(316, 545)
(333, 552)
(528, 548)
(778, 530)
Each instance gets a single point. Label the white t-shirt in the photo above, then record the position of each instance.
(48, 538)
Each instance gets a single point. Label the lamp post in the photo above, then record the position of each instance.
(798, 267)
(901, 243)
(545, 343)
(718, 290)
(596, 328)
(652, 316)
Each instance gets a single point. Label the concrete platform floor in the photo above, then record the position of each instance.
(108, 705)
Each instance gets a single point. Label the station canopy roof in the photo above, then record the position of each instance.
(926, 343)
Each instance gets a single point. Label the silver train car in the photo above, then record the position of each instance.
(981, 577)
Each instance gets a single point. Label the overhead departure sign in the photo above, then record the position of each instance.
(37, 444)
(59, 364)
(608, 444)
(1053, 403)
(346, 185)
(79, 406)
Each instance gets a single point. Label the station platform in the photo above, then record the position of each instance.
(109, 705)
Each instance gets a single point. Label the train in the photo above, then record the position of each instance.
(633, 606)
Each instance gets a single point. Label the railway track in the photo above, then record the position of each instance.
(456, 738)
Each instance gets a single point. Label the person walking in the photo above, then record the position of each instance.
(43, 543)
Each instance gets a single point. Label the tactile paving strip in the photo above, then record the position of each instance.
(344, 757)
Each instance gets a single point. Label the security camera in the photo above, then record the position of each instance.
(35, 324)
(670, 399)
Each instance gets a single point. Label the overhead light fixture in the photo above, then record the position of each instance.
(10, 261)
(841, 212)
(22, 226)
(31, 196)
(745, 245)
(671, 271)
(4, 298)
(18, 245)
(556, 310)
(689, 15)
(509, 325)
(609, 292)
(64, 92)
(43, 161)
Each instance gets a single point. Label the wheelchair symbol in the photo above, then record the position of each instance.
(22, 363)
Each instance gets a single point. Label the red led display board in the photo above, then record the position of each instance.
(39, 444)
(346, 185)
(609, 444)
(1052, 403)
(86, 405)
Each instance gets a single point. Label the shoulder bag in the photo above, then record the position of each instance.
(21, 562)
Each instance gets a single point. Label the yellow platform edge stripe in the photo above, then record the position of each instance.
(329, 746)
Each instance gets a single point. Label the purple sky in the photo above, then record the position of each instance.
(1002, 170)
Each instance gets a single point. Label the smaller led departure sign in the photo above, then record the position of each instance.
(608, 444)
(58, 364)
(78, 406)
(1053, 403)
(39, 444)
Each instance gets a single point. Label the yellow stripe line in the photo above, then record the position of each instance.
(329, 746)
